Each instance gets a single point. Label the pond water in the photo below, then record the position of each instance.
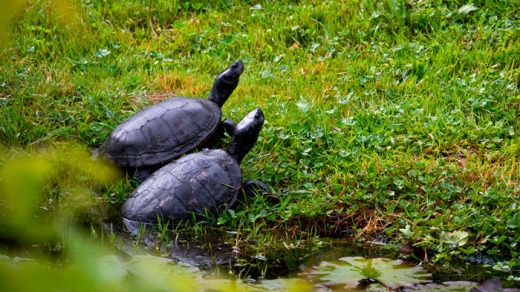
(320, 262)
(212, 259)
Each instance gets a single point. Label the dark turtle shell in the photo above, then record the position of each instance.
(209, 179)
(162, 132)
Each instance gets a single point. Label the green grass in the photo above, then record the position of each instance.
(380, 114)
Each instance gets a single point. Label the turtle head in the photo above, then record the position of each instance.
(226, 82)
(246, 134)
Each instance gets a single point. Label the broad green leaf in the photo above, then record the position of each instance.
(348, 271)
(458, 238)
(102, 53)
(467, 9)
(406, 231)
(197, 6)
(514, 222)
(303, 105)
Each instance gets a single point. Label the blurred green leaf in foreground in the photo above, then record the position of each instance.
(42, 191)
(65, 13)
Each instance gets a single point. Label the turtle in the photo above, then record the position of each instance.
(164, 131)
(207, 180)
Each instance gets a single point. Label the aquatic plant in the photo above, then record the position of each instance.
(351, 272)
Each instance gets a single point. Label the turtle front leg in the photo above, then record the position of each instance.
(229, 126)
(216, 140)
(254, 188)
(143, 173)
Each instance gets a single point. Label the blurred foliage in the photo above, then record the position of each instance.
(7, 13)
(49, 187)
(95, 270)
(42, 194)
(63, 11)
